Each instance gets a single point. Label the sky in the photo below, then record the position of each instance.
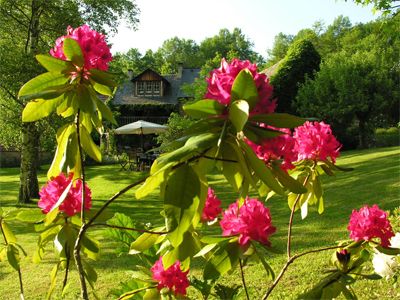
(259, 20)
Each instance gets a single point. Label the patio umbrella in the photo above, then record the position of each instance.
(141, 128)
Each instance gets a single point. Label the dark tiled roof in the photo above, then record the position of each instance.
(125, 94)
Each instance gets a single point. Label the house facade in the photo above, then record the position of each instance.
(155, 96)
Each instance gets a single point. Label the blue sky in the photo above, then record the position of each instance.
(259, 20)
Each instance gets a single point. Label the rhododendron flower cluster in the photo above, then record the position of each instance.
(251, 221)
(95, 50)
(315, 141)
(277, 148)
(212, 207)
(221, 80)
(72, 204)
(369, 223)
(172, 278)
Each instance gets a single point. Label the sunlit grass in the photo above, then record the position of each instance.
(375, 179)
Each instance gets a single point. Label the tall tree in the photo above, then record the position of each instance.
(279, 49)
(35, 25)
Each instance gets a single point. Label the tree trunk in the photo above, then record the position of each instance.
(29, 186)
(362, 137)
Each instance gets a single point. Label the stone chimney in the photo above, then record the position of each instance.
(180, 69)
(130, 74)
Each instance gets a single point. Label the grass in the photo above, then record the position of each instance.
(376, 179)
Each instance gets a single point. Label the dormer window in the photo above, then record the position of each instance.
(149, 84)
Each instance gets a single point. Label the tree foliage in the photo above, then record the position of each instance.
(301, 60)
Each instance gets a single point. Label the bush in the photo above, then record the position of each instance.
(387, 137)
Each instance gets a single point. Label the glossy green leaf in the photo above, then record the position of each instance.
(53, 64)
(238, 114)
(101, 88)
(73, 52)
(143, 242)
(388, 250)
(184, 252)
(268, 269)
(8, 234)
(42, 82)
(246, 172)
(261, 170)
(90, 247)
(86, 102)
(231, 167)
(48, 93)
(63, 135)
(244, 88)
(88, 145)
(259, 134)
(13, 256)
(205, 250)
(223, 260)
(151, 183)
(288, 181)
(53, 280)
(203, 108)
(89, 273)
(193, 146)
(181, 200)
(280, 120)
(142, 276)
(102, 77)
(40, 108)
(151, 294)
(105, 111)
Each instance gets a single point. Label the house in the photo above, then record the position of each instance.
(152, 97)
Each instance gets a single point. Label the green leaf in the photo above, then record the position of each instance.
(193, 146)
(238, 114)
(259, 134)
(288, 181)
(181, 200)
(142, 276)
(203, 108)
(90, 247)
(388, 250)
(63, 135)
(40, 108)
(105, 111)
(53, 280)
(89, 273)
(101, 88)
(8, 234)
(13, 256)
(267, 267)
(231, 170)
(280, 120)
(72, 50)
(223, 260)
(86, 102)
(41, 83)
(102, 77)
(88, 145)
(144, 242)
(261, 170)
(152, 182)
(48, 93)
(244, 88)
(53, 64)
(206, 249)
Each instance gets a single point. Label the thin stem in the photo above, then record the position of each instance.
(66, 268)
(2, 231)
(243, 280)
(82, 167)
(136, 291)
(289, 236)
(290, 261)
(130, 228)
(21, 286)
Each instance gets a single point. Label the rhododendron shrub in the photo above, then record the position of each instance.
(72, 204)
(236, 134)
(251, 221)
(369, 223)
(172, 278)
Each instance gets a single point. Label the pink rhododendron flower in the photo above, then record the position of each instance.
(252, 221)
(369, 223)
(172, 278)
(315, 141)
(54, 188)
(277, 148)
(221, 80)
(93, 44)
(212, 207)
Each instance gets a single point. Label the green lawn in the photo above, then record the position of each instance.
(376, 179)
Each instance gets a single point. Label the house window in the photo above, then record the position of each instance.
(148, 88)
(140, 87)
